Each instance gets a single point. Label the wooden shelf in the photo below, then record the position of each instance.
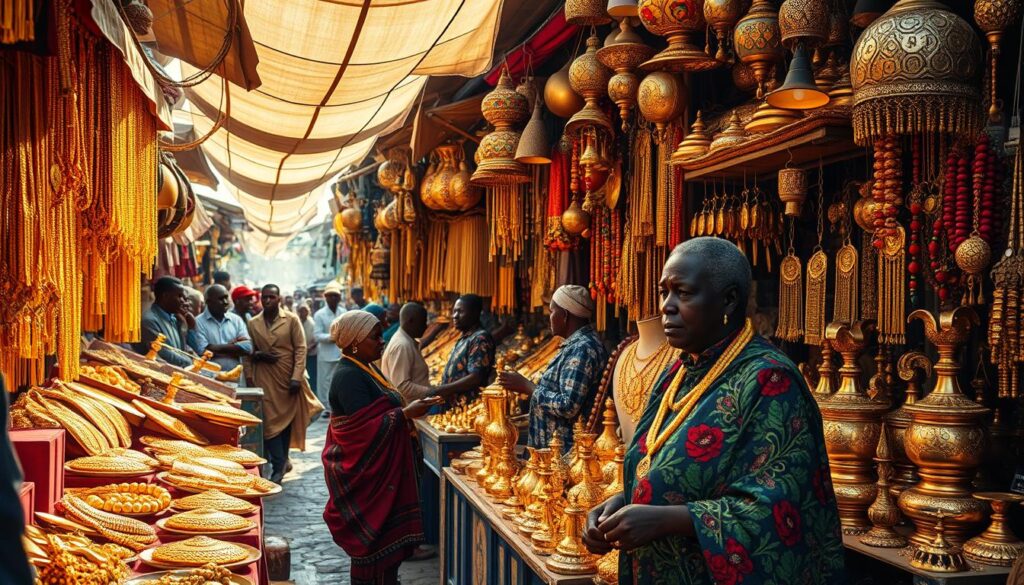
(900, 558)
(827, 136)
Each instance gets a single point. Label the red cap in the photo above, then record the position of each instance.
(240, 292)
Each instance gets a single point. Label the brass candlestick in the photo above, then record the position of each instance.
(522, 487)
(883, 512)
(589, 491)
(605, 445)
(939, 555)
(617, 482)
(529, 521)
(584, 444)
(997, 545)
(826, 373)
(570, 557)
(559, 468)
(852, 425)
(946, 439)
(501, 436)
(905, 473)
(545, 538)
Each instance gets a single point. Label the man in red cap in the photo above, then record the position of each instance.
(242, 297)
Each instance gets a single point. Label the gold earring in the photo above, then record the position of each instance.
(725, 319)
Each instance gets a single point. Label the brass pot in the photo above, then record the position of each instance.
(440, 191)
(504, 107)
(904, 471)
(793, 190)
(390, 175)
(575, 220)
(559, 96)
(852, 424)
(464, 194)
(661, 99)
(167, 196)
(352, 219)
(427, 184)
(679, 21)
(946, 439)
(757, 41)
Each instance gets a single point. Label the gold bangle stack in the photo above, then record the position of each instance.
(132, 499)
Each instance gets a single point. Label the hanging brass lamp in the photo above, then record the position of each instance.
(622, 8)
(504, 108)
(799, 91)
(589, 78)
(757, 41)
(533, 146)
(661, 99)
(559, 96)
(993, 18)
(679, 21)
(623, 55)
(803, 24)
(586, 12)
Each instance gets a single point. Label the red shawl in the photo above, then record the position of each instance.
(374, 509)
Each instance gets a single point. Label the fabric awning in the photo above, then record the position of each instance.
(336, 75)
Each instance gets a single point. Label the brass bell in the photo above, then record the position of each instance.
(793, 190)
(867, 11)
(622, 8)
(589, 158)
(799, 91)
(533, 146)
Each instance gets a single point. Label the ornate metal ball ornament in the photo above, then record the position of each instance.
(722, 16)
(661, 99)
(559, 96)
(679, 21)
(504, 108)
(589, 78)
(993, 18)
(758, 41)
(916, 69)
(623, 55)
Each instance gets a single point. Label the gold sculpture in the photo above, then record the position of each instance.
(570, 557)
(616, 481)
(997, 545)
(883, 511)
(529, 520)
(939, 555)
(588, 491)
(852, 425)
(605, 445)
(522, 487)
(544, 539)
(946, 438)
(559, 468)
(905, 474)
(501, 434)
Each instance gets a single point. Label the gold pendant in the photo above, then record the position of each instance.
(644, 467)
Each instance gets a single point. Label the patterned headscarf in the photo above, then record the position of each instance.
(352, 327)
(575, 299)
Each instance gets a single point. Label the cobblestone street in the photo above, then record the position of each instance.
(296, 515)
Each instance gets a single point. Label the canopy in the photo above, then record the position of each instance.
(353, 73)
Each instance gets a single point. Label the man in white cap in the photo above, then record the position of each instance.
(566, 389)
(327, 355)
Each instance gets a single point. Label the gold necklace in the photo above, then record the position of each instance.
(373, 374)
(685, 406)
(637, 377)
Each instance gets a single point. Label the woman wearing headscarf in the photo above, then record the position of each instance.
(726, 478)
(568, 385)
(373, 511)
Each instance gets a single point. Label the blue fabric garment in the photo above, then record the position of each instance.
(210, 331)
(156, 321)
(567, 388)
(473, 352)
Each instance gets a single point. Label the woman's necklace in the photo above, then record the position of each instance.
(638, 375)
(656, 438)
(373, 374)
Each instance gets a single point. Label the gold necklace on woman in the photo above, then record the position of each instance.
(373, 374)
(656, 439)
(637, 376)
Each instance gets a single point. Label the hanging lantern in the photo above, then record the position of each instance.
(731, 136)
(793, 190)
(867, 11)
(661, 99)
(464, 194)
(799, 91)
(679, 21)
(167, 195)
(757, 41)
(695, 144)
(622, 8)
(533, 146)
(504, 108)
(559, 96)
(993, 18)
(389, 175)
(586, 12)
(916, 70)
(624, 55)
(389, 218)
(722, 16)
(589, 78)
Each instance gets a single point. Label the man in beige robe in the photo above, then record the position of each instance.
(278, 366)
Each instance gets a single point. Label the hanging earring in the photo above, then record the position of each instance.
(725, 319)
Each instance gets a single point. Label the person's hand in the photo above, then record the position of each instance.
(515, 382)
(264, 357)
(294, 386)
(189, 319)
(593, 538)
(241, 338)
(634, 526)
(418, 408)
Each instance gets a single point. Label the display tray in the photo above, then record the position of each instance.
(146, 557)
(162, 525)
(71, 471)
(166, 369)
(61, 523)
(248, 494)
(155, 577)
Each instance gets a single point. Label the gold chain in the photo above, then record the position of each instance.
(380, 379)
(657, 438)
(637, 377)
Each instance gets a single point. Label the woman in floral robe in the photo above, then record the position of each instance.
(740, 492)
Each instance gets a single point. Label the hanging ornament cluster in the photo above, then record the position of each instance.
(751, 220)
(993, 18)
(916, 69)
(1005, 334)
(623, 54)
(589, 78)
(974, 250)
(505, 109)
(886, 188)
(680, 21)
(396, 175)
(758, 42)
(446, 185)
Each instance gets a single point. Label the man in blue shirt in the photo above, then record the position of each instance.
(166, 317)
(220, 331)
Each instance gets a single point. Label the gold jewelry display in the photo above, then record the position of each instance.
(130, 499)
(892, 288)
(817, 278)
(215, 500)
(791, 295)
(845, 304)
(637, 377)
(656, 437)
(1005, 333)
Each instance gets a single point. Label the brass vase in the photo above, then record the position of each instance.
(502, 435)
(589, 78)
(544, 540)
(522, 487)
(613, 472)
(661, 99)
(505, 109)
(583, 459)
(997, 545)
(946, 439)
(905, 474)
(852, 424)
(529, 521)
(589, 491)
(623, 55)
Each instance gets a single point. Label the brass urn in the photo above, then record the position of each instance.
(505, 109)
(589, 78)
(852, 424)
(722, 16)
(661, 99)
(946, 439)
(758, 41)
(559, 97)
(679, 21)
(997, 545)
(904, 472)
(529, 520)
(623, 55)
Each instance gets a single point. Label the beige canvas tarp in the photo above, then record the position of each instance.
(336, 74)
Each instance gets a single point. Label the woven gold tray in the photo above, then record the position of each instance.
(146, 556)
(162, 525)
(154, 577)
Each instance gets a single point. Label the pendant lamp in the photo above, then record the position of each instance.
(533, 146)
(799, 92)
(867, 11)
(622, 8)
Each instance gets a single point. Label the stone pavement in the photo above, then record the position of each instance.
(297, 515)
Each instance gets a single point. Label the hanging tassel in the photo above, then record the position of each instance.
(892, 294)
(17, 21)
(845, 304)
(791, 296)
(814, 315)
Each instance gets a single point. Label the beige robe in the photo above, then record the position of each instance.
(284, 338)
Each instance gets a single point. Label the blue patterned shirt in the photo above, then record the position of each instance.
(567, 387)
(473, 352)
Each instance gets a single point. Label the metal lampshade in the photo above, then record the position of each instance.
(799, 92)
(867, 11)
(622, 8)
(533, 146)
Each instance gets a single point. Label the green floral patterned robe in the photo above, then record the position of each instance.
(750, 464)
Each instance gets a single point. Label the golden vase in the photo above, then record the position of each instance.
(946, 439)
(502, 435)
(904, 472)
(852, 424)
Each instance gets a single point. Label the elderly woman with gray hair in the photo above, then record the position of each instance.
(373, 511)
(568, 385)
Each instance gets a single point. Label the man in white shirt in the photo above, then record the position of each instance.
(328, 355)
(403, 363)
